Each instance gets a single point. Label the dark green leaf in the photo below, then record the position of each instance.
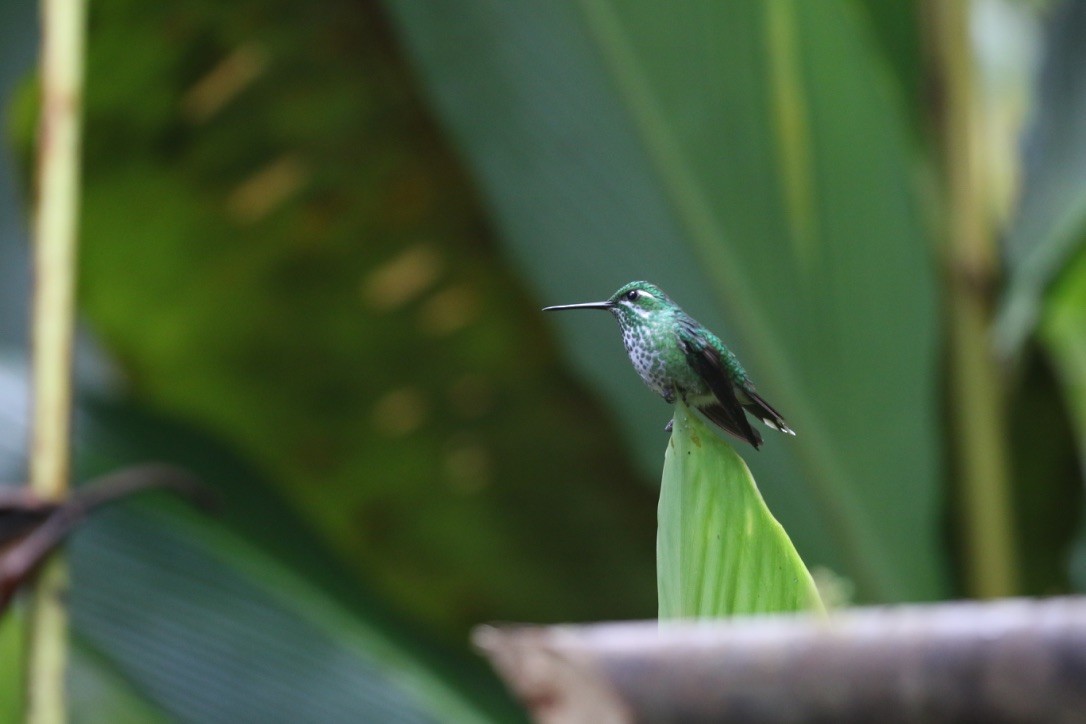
(1063, 333)
(1051, 216)
(247, 614)
(299, 266)
(752, 159)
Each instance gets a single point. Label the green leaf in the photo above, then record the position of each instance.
(897, 27)
(301, 267)
(99, 695)
(1063, 334)
(1047, 477)
(12, 665)
(1064, 337)
(1048, 224)
(245, 614)
(214, 630)
(719, 551)
(754, 159)
(1046, 291)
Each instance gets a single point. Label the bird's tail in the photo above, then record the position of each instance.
(761, 409)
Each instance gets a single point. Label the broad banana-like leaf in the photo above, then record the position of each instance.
(211, 629)
(754, 159)
(100, 695)
(719, 550)
(240, 615)
(297, 264)
(245, 614)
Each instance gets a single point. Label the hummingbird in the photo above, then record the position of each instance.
(679, 359)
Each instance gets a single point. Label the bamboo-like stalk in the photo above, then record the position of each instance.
(59, 140)
(979, 414)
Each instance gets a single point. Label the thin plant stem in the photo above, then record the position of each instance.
(59, 140)
(979, 414)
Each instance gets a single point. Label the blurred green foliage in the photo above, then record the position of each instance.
(725, 151)
(1047, 228)
(303, 271)
(315, 237)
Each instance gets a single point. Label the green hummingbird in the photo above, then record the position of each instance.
(679, 358)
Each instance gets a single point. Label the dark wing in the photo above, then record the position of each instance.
(765, 412)
(726, 411)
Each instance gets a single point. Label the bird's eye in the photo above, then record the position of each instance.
(632, 295)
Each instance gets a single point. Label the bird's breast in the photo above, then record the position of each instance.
(646, 359)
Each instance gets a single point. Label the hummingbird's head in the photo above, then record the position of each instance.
(632, 305)
(637, 302)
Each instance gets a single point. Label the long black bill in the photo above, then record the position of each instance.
(585, 305)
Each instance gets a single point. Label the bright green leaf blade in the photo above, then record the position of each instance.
(1051, 215)
(753, 159)
(719, 551)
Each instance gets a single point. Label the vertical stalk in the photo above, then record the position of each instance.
(59, 140)
(979, 412)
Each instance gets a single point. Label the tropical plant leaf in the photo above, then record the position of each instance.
(753, 159)
(1063, 333)
(1064, 336)
(243, 615)
(299, 267)
(897, 29)
(99, 695)
(1046, 290)
(213, 630)
(246, 614)
(1046, 473)
(18, 52)
(1048, 224)
(719, 551)
(12, 666)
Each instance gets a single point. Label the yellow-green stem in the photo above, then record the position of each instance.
(979, 414)
(63, 31)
